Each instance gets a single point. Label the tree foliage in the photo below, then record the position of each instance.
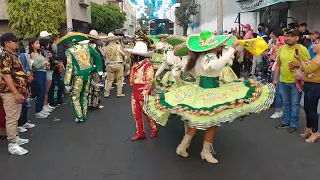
(187, 9)
(107, 17)
(28, 18)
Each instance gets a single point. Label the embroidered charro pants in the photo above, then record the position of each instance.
(137, 111)
(80, 96)
(114, 71)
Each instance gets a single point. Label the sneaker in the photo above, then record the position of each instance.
(46, 109)
(21, 141)
(21, 129)
(50, 107)
(15, 149)
(282, 126)
(40, 115)
(29, 125)
(100, 106)
(292, 130)
(45, 113)
(277, 115)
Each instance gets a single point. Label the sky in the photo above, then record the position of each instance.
(160, 9)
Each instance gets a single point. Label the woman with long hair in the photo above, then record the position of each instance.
(40, 66)
(23, 122)
(209, 104)
(48, 53)
(311, 93)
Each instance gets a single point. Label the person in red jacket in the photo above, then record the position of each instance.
(141, 79)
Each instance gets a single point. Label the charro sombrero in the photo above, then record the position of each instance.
(112, 37)
(160, 36)
(206, 41)
(174, 40)
(181, 50)
(93, 34)
(140, 48)
(72, 36)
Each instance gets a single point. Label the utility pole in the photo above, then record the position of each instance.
(220, 16)
(69, 15)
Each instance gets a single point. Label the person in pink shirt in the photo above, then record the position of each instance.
(248, 30)
(248, 57)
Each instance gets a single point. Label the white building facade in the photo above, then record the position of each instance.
(207, 18)
(253, 12)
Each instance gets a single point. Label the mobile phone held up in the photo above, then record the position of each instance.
(296, 52)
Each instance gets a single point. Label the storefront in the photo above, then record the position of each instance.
(269, 12)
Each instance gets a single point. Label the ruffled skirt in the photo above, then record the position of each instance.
(208, 107)
(157, 59)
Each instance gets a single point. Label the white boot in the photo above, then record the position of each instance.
(186, 126)
(184, 145)
(207, 153)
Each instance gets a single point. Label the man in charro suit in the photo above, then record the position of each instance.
(115, 59)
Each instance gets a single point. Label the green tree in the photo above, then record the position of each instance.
(28, 18)
(107, 17)
(187, 9)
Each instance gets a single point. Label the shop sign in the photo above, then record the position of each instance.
(252, 5)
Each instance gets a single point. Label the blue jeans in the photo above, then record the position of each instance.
(311, 99)
(56, 81)
(40, 80)
(291, 104)
(278, 97)
(24, 115)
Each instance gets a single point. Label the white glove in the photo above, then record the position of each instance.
(68, 88)
(100, 73)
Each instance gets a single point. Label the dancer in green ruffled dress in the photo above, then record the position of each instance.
(208, 104)
(160, 51)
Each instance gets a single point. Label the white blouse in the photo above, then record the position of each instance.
(210, 65)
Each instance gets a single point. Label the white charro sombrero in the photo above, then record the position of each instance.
(206, 41)
(140, 48)
(93, 34)
(112, 37)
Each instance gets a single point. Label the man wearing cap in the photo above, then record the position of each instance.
(141, 79)
(315, 34)
(115, 59)
(79, 66)
(287, 65)
(13, 91)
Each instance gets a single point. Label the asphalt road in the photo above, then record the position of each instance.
(100, 149)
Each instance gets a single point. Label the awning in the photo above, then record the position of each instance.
(252, 5)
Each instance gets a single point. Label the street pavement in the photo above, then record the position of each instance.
(100, 149)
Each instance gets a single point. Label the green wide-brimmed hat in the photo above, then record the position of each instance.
(154, 39)
(160, 36)
(206, 41)
(181, 50)
(73, 36)
(174, 40)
